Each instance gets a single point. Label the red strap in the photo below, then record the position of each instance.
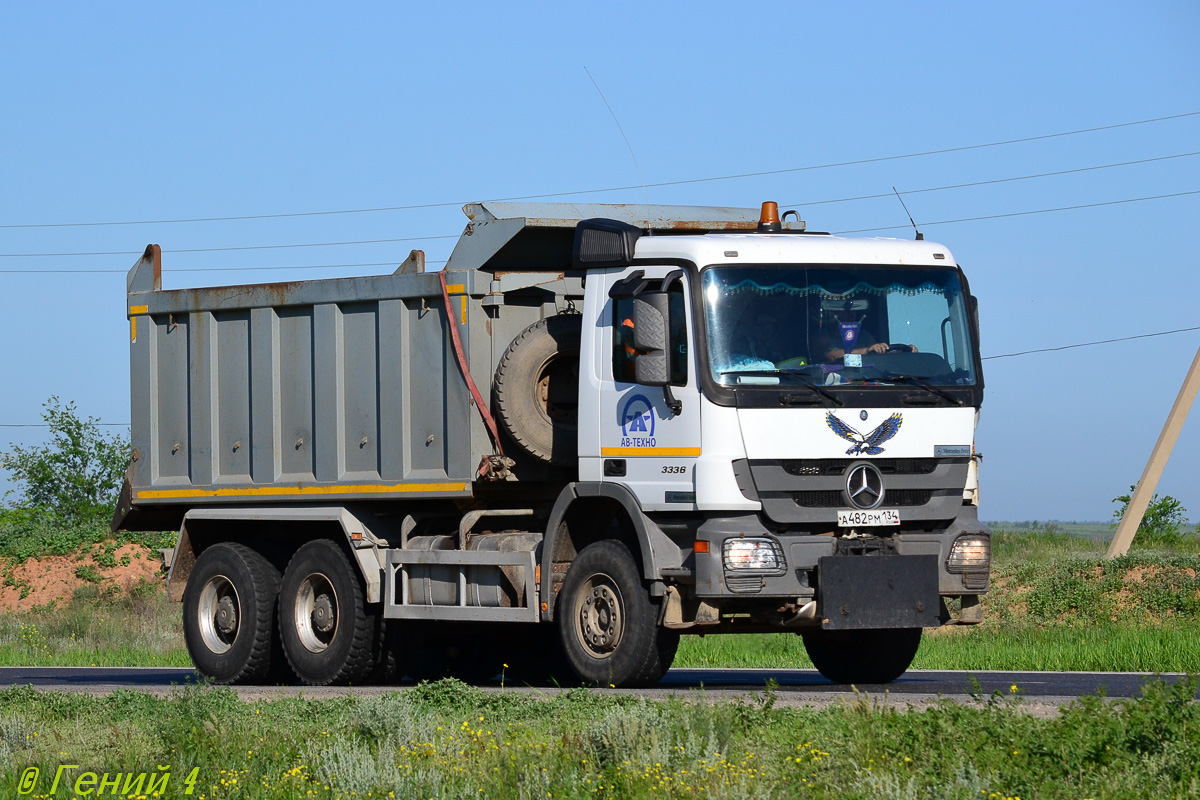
(462, 365)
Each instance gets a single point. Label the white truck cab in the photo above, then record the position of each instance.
(808, 401)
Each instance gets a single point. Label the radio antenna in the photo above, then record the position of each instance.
(641, 177)
(920, 236)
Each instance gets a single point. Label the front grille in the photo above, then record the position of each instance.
(745, 585)
(838, 466)
(824, 499)
(834, 499)
(907, 497)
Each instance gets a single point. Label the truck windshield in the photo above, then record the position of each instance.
(823, 325)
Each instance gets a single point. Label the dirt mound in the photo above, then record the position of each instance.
(1148, 589)
(40, 581)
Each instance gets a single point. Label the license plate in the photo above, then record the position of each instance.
(864, 519)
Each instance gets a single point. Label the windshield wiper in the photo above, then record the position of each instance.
(803, 380)
(821, 390)
(915, 381)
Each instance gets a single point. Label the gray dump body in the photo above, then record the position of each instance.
(345, 389)
(332, 389)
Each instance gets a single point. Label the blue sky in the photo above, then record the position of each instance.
(135, 112)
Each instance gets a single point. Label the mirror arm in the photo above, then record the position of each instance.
(675, 405)
(674, 275)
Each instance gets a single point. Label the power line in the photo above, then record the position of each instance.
(985, 358)
(1028, 213)
(1092, 344)
(234, 218)
(47, 425)
(992, 181)
(425, 238)
(735, 176)
(228, 249)
(202, 269)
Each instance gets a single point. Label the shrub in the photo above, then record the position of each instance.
(76, 474)
(1161, 524)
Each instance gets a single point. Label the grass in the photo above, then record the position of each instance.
(449, 740)
(138, 627)
(1098, 648)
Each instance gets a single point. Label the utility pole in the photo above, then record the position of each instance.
(1146, 485)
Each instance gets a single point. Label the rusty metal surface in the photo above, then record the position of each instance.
(514, 237)
(654, 217)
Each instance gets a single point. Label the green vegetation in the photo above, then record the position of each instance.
(101, 626)
(74, 477)
(449, 740)
(67, 489)
(28, 533)
(1163, 522)
(1097, 648)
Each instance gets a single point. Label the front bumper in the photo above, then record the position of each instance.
(804, 556)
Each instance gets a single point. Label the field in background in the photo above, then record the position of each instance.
(1055, 605)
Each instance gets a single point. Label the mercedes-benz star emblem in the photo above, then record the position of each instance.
(864, 486)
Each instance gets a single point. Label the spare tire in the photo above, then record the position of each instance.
(537, 389)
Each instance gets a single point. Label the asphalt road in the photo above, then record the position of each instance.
(918, 688)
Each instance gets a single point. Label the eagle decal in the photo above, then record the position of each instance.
(869, 444)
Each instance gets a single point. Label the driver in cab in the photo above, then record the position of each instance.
(843, 333)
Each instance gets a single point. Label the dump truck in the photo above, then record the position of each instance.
(596, 429)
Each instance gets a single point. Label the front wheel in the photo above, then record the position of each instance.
(229, 613)
(329, 633)
(607, 622)
(862, 656)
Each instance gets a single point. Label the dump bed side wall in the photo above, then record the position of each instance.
(316, 390)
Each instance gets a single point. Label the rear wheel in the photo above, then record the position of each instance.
(607, 622)
(328, 631)
(863, 656)
(229, 613)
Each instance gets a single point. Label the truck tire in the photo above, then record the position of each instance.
(329, 633)
(863, 656)
(537, 389)
(229, 614)
(607, 623)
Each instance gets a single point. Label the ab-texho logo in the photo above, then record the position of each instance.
(637, 422)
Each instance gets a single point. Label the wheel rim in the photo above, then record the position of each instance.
(220, 613)
(599, 616)
(556, 391)
(316, 613)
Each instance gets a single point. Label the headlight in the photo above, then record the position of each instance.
(752, 554)
(970, 554)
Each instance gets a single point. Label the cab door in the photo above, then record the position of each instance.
(644, 443)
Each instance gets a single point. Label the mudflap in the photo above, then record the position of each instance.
(856, 592)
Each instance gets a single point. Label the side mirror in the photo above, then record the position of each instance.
(652, 336)
(651, 315)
